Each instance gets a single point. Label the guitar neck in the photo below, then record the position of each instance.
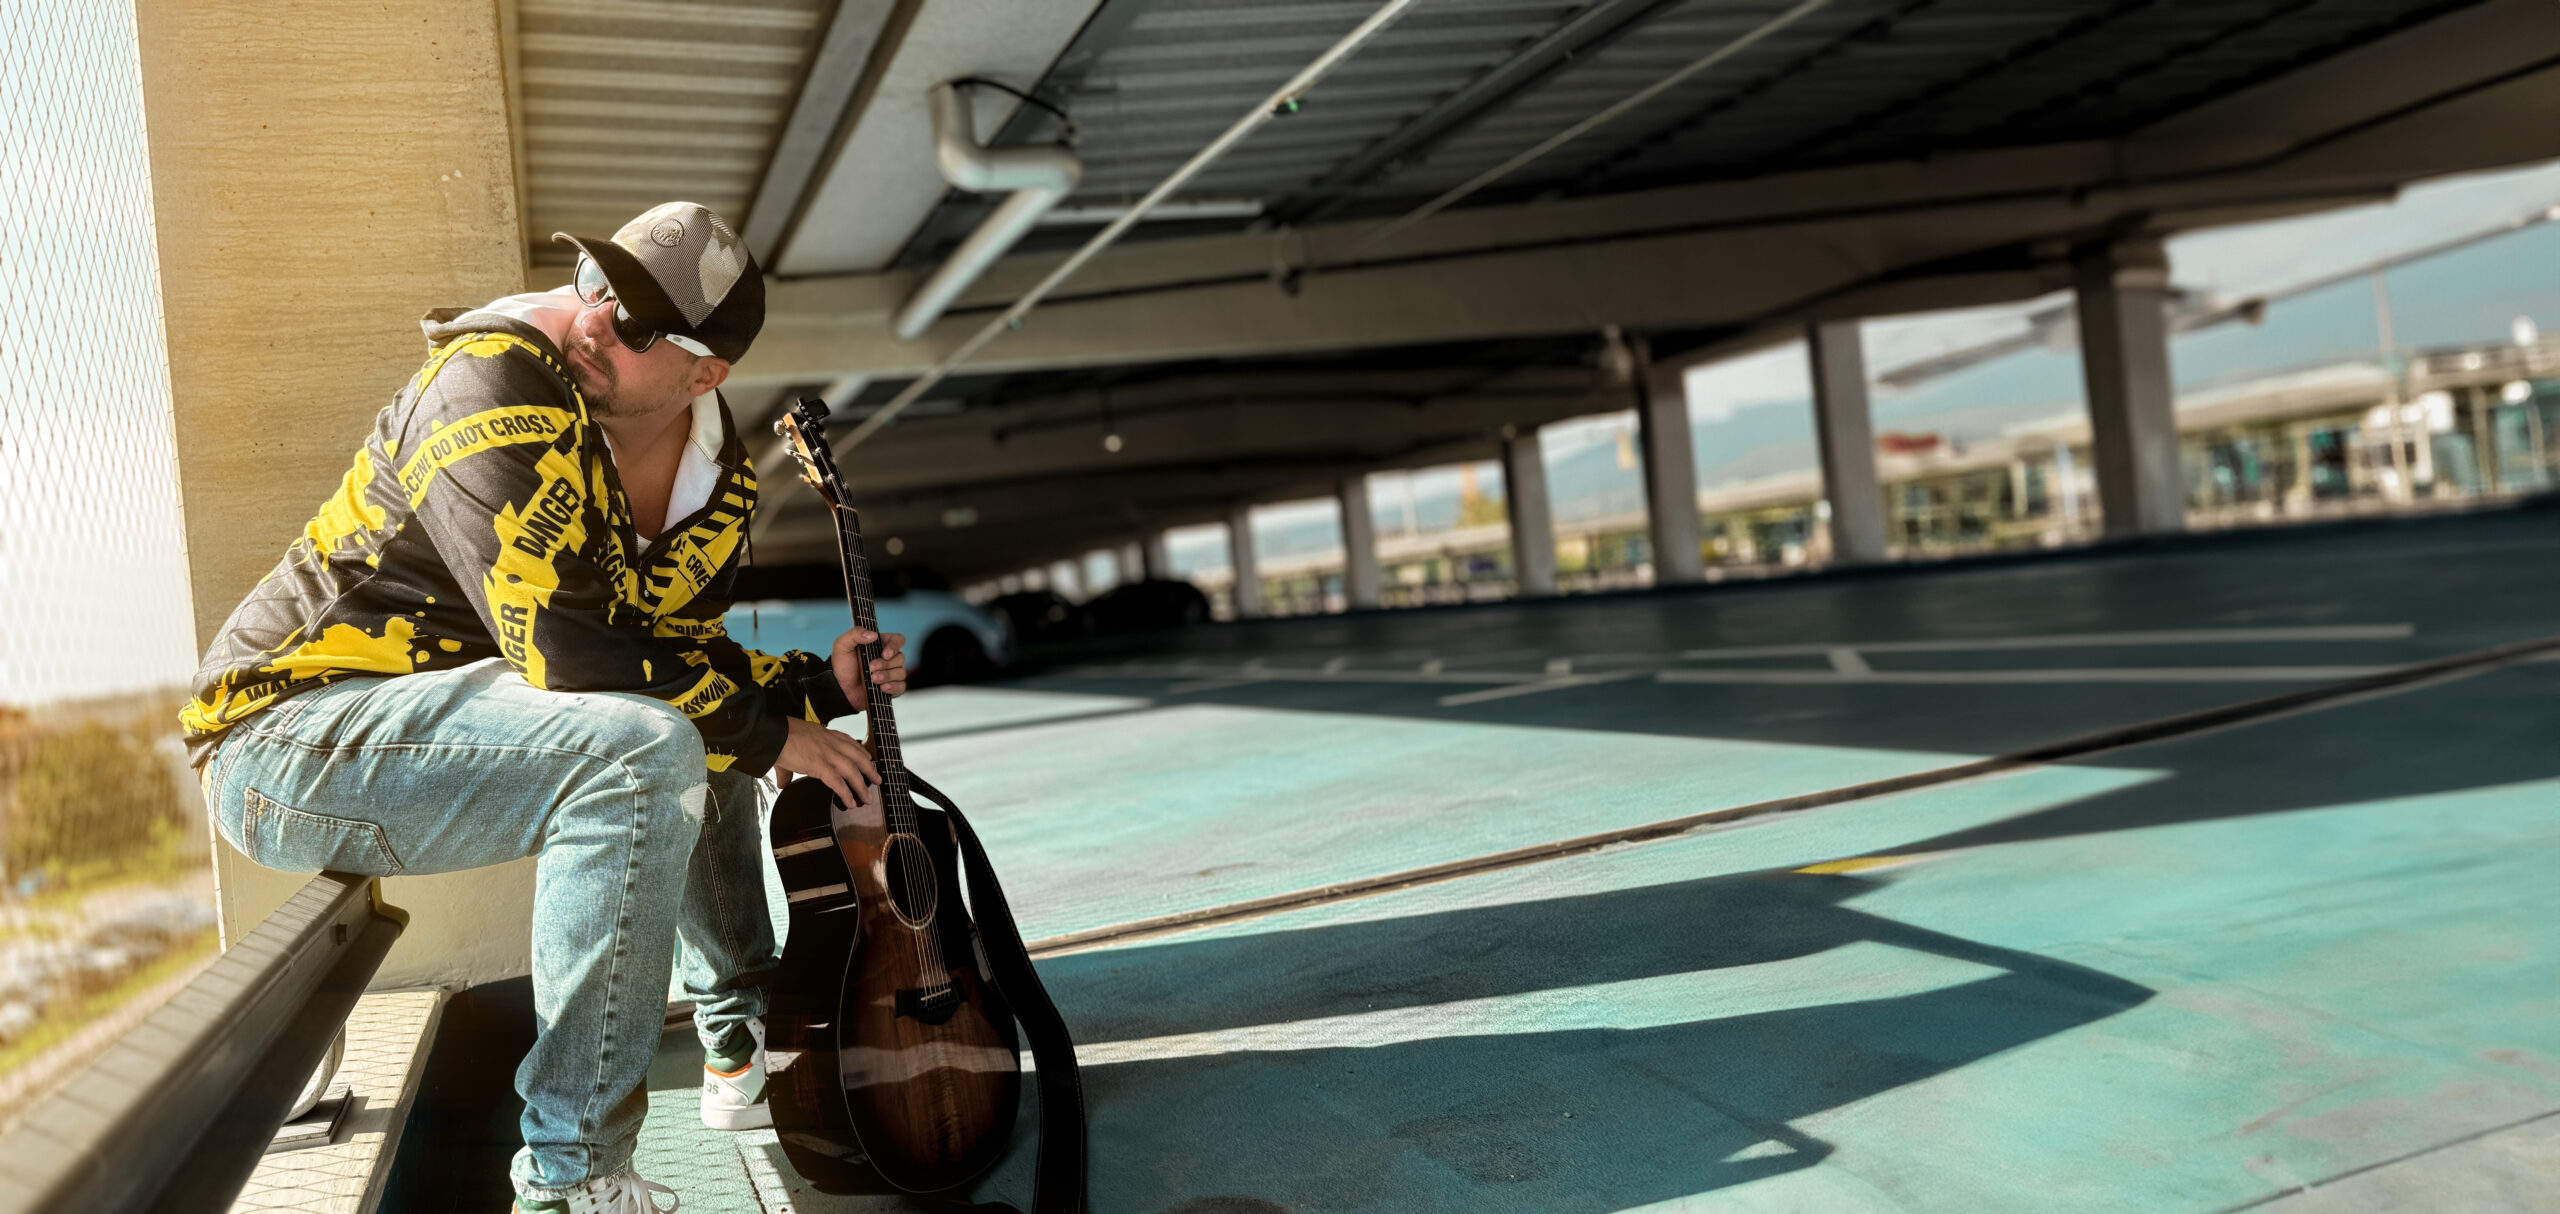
(857, 589)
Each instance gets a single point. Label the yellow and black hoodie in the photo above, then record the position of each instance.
(483, 518)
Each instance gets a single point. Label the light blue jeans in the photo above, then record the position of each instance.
(456, 769)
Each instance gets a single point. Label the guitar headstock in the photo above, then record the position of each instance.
(804, 430)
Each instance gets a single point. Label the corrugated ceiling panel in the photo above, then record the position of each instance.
(629, 103)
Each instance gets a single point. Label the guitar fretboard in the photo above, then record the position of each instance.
(882, 717)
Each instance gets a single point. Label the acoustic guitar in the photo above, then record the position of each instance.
(889, 1048)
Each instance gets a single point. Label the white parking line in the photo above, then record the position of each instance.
(2068, 640)
(2132, 674)
(1530, 689)
(1184, 689)
(1847, 661)
(1257, 672)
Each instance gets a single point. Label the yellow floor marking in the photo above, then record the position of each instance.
(1857, 864)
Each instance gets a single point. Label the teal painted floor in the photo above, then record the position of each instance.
(2188, 976)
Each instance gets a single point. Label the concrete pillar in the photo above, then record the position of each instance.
(1359, 544)
(1670, 469)
(2123, 295)
(1533, 527)
(1845, 432)
(348, 166)
(1246, 594)
(1153, 557)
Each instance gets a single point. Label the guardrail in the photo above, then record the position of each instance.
(175, 1115)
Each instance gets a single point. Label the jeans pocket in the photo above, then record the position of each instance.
(299, 841)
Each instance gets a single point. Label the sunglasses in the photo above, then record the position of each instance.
(593, 290)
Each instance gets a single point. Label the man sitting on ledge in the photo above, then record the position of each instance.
(502, 638)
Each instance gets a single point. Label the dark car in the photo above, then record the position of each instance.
(1038, 616)
(1138, 606)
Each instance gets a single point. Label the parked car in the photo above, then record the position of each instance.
(1151, 604)
(948, 641)
(1039, 616)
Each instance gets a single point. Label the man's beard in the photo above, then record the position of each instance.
(596, 382)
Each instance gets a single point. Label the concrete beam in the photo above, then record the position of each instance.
(1032, 477)
(2123, 296)
(1247, 590)
(1670, 461)
(1533, 520)
(269, 186)
(1360, 581)
(1845, 432)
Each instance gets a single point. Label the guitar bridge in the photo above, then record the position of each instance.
(929, 1004)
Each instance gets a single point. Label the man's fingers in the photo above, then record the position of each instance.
(861, 756)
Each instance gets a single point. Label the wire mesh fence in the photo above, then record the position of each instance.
(105, 896)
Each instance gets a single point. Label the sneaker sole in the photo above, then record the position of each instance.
(756, 1116)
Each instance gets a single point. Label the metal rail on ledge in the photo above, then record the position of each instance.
(175, 1115)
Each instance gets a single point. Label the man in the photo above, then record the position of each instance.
(502, 638)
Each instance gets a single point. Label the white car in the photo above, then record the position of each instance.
(947, 639)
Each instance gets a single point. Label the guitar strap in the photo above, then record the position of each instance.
(1058, 1185)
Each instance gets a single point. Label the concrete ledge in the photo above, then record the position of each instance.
(388, 1037)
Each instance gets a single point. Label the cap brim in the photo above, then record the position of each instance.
(632, 283)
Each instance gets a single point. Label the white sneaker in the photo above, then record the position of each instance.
(734, 1100)
(621, 1193)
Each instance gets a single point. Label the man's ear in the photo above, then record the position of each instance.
(709, 373)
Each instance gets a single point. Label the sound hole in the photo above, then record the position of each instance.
(908, 872)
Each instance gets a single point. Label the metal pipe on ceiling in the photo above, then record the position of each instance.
(1040, 177)
(1579, 129)
(1282, 100)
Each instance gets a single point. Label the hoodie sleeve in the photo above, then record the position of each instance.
(502, 488)
(795, 684)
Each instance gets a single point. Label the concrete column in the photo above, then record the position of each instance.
(1247, 591)
(371, 180)
(1533, 527)
(1153, 558)
(1670, 469)
(1845, 432)
(1359, 544)
(2123, 294)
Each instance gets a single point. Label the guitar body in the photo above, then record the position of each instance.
(919, 1078)
(888, 1053)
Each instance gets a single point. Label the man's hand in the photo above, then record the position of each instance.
(834, 759)
(888, 671)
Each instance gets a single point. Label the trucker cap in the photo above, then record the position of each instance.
(679, 269)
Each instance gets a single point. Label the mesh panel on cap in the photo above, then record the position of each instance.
(693, 255)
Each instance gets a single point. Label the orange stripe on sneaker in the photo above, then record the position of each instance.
(729, 1074)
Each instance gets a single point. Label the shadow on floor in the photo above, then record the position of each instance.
(454, 1154)
(1532, 1117)
(2485, 732)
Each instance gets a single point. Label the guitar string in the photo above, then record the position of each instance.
(914, 879)
(858, 584)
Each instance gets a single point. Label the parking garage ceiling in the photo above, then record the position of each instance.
(1855, 157)
(1457, 88)
(1454, 88)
